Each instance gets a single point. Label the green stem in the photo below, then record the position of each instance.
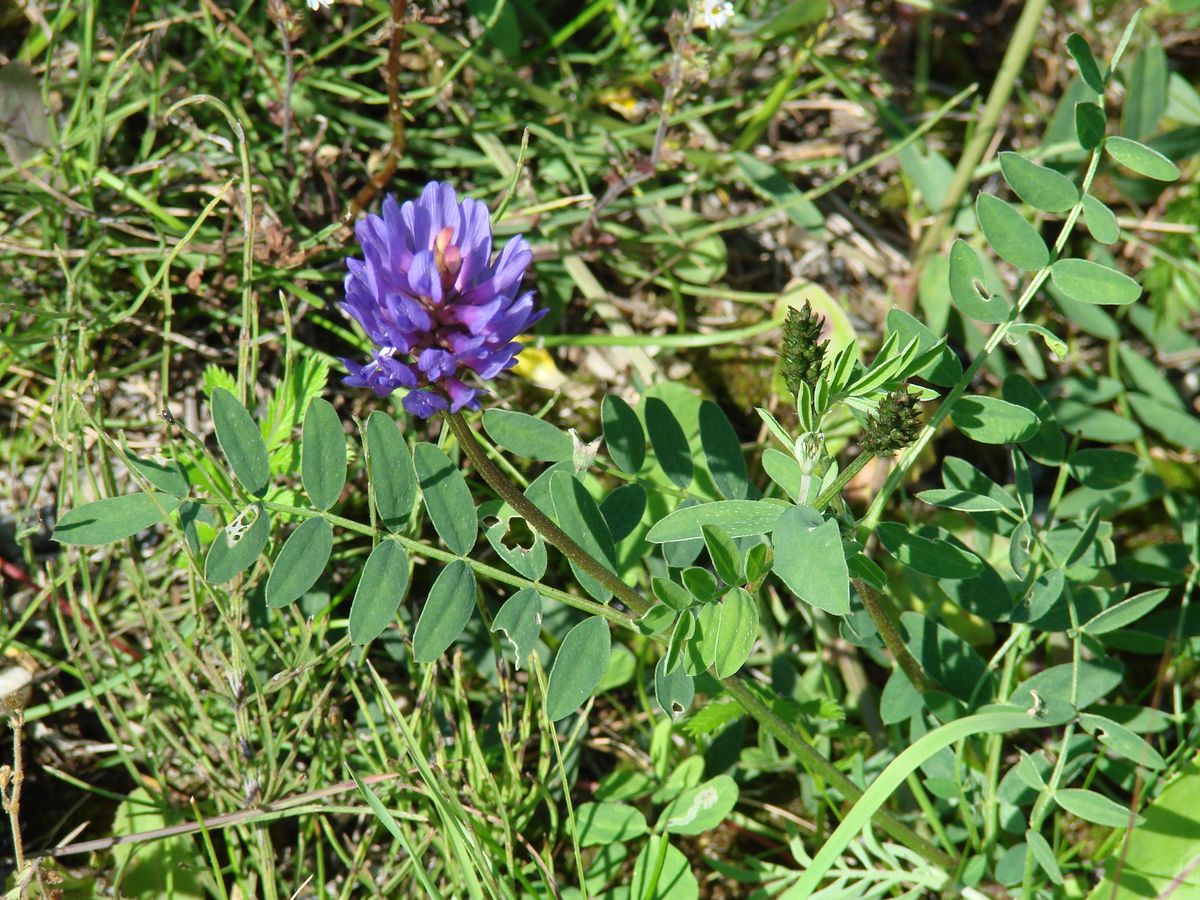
(826, 496)
(1010, 67)
(868, 522)
(819, 765)
(882, 618)
(583, 604)
(538, 520)
(1043, 806)
(995, 743)
(754, 707)
(879, 613)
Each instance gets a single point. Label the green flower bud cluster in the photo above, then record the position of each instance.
(803, 349)
(894, 425)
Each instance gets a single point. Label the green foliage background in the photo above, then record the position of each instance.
(271, 653)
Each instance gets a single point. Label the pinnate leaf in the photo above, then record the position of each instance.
(167, 476)
(623, 510)
(809, 559)
(673, 690)
(241, 442)
(1176, 425)
(701, 808)
(1013, 238)
(670, 443)
(929, 551)
(578, 515)
(604, 823)
(300, 562)
(968, 289)
(113, 518)
(391, 469)
(445, 613)
(323, 454)
(737, 630)
(1089, 70)
(520, 621)
(380, 589)
(527, 435)
(578, 667)
(1093, 807)
(1040, 187)
(1090, 282)
(737, 518)
(623, 434)
(1104, 469)
(723, 453)
(1090, 124)
(236, 548)
(447, 497)
(1100, 220)
(1124, 613)
(1139, 158)
(723, 552)
(990, 420)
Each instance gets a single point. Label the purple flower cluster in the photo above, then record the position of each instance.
(435, 303)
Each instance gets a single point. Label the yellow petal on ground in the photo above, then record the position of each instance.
(536, 365)
(623, 102)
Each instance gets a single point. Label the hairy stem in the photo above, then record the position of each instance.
(537, 519)
(882, 618)
(741, 693)
(856, 465)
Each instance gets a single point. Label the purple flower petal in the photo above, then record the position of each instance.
(477, 318)
(461, 395)
(510, 267)
(435, 364)
(424, 279)
(423, 404)
(434, 302)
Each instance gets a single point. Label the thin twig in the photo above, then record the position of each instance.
(647, 168)
(10, 784)
(395, 117)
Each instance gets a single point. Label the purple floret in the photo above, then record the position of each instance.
(437, 306)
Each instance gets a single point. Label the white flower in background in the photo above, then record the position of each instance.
(314, 5)
(713, 13)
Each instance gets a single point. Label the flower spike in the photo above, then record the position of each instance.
(437, 305)
(803, 349)
(894, 425)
